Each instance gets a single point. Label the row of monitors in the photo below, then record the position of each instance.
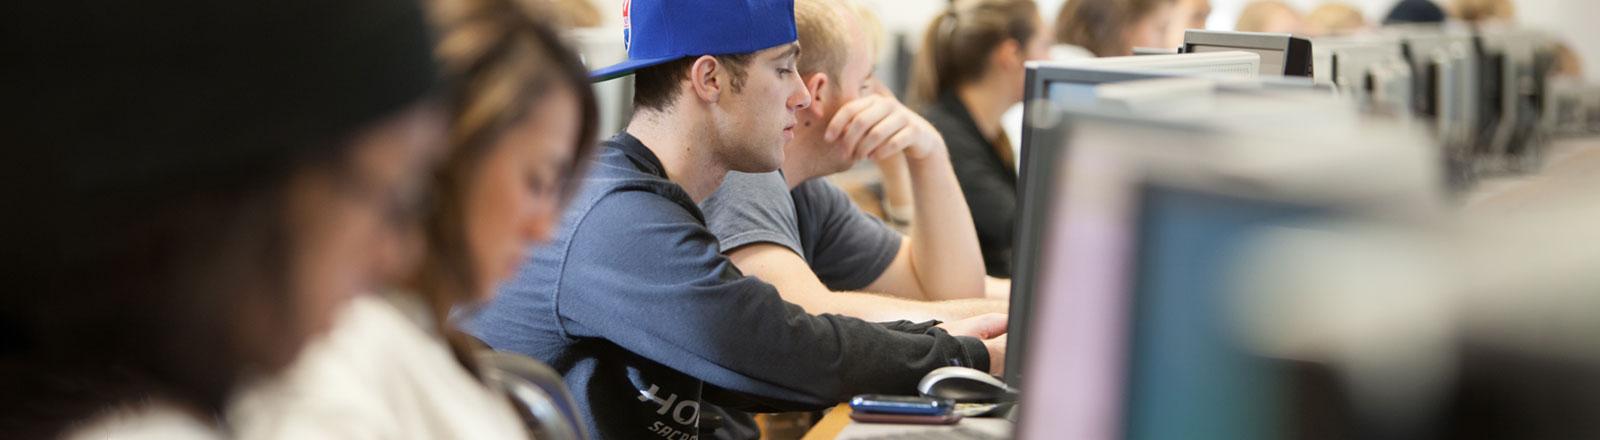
(1483, 90)
(1120, 311)
(1119, 322)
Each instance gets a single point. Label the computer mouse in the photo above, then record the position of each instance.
(965, 385)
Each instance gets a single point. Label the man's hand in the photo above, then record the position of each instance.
(997, 354)
(991, 328)
(878, 126)
(983, 326)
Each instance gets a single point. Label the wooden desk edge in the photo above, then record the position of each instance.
(831, 424)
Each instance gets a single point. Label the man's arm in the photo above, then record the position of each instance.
(997, 288)
(797, 284)
(944, 260)
(670, 296)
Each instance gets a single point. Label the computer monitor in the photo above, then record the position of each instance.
(1050, 89)
(1078, 211)
(1141, 341)
(1445, 67)
(1232, 63)
(1516, 63)
(1281, 54)
(1372, 70)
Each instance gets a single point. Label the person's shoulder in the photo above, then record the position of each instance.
(819, 189)
(953, 124)
(738, 190)
(627, 214)
(613, 184)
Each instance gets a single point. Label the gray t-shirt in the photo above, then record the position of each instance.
(847, 248)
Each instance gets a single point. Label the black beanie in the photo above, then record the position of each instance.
(158, 98)
(1414, 11)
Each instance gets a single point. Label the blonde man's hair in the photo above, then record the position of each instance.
(825, 37)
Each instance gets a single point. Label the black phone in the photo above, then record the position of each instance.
(910, 405)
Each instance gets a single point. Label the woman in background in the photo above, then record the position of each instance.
(1335, 18)
(1186, 14)
(1270, 16)
(1483, 11)
(1110, 28)
(522, 123)
(208, 184)
(969, 71)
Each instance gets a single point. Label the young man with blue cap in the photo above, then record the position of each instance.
(807, 237)
(634, 302)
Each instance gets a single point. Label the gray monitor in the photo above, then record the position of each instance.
(1143, 345)
(1446, 89)
(1281, 54)
(1516, 64)
(1049, 89)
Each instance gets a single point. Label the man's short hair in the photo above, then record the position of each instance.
(824, 32)
(655, 87)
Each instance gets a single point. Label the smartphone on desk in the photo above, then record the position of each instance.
(909, 419)
(907, 405)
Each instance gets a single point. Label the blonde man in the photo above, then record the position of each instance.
(803, 235)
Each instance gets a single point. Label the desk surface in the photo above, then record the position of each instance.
(837, 425)
(1572, 166)
(831, 424)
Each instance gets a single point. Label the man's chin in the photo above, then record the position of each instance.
(763, 164)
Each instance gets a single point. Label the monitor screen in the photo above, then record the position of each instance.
(1132, 331)
(1188, 373)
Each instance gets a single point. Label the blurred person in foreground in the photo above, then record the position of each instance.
(522, 123)
(212, 183)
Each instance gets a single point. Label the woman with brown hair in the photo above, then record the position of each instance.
(970, 70)
(206, 184)
(1111, 28)
(522, 123)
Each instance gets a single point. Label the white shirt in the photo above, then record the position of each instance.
(378, 375)
(155, 421)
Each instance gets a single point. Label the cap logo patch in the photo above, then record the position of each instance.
(627, 26)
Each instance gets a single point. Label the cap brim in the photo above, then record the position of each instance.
(624, 68)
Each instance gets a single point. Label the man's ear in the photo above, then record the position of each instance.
(815, 84)
(703, 78)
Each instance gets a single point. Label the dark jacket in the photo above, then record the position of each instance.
(989, 183)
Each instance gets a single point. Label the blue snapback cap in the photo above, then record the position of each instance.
(659, 31)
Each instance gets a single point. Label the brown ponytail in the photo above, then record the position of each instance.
(958, 41)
